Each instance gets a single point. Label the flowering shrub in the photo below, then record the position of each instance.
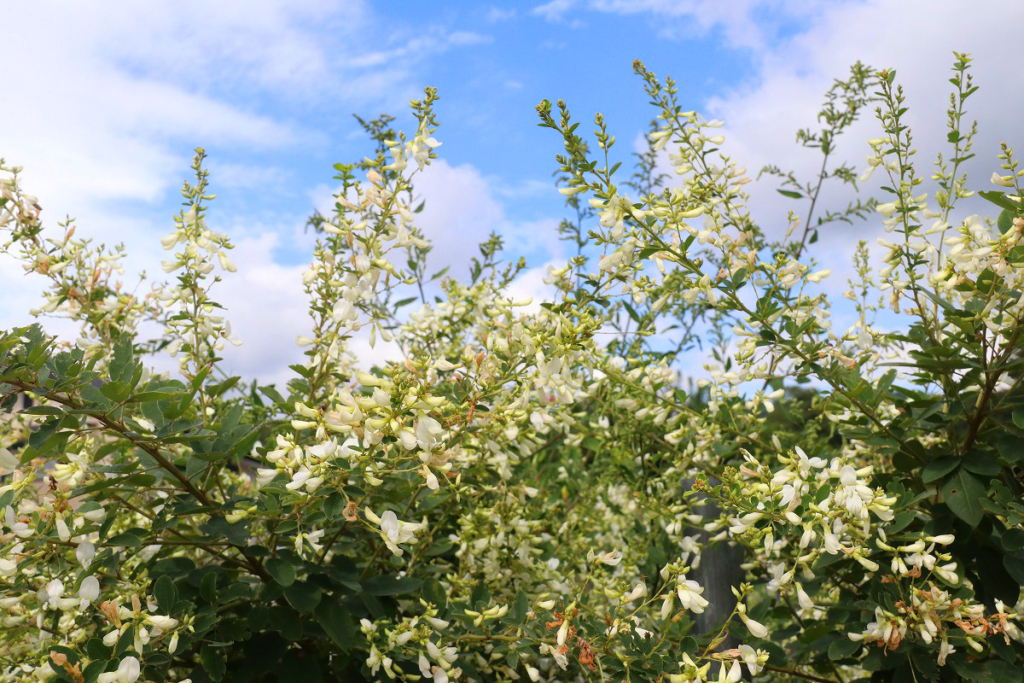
(517, 497)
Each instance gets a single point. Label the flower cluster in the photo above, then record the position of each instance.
(549, 492)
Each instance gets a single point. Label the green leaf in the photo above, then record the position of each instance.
(1014, 566)
(842, 648)
(166, 594)
(1013, 539)
(1005, 220)
(122, 365)
(434, 593)
(127, 540)
(1018, 418)
(147, 396)
(998, 670)
(938, 468)
(984, 463)
(901, 521)
(42, 410)
(1010, 448)
(95, 648)
(336, 622)
(999, 199)
(213, 662)
(520, 608)
(791, 194)
(208, 587)
(963, 494)
(124, 641)
(390, 584)
(994, 577)
(282, 571)
(221, 387)
(304, 597)
(272, 393)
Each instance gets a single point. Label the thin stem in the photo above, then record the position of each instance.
(798, 674)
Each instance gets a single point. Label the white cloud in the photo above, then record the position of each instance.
(109, 105)
(247, 176)
(761, 118)
(267, 308)
(743, 23)
(530, 286)
(496, 14)
(104, 113)
(553, 10)
(462, 209)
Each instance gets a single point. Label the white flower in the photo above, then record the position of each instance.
(428, 432)
(948, 572)
(88, 591)
(226, 262)
(62, 530)
(945, 649)
(164, 623)
(887, 209)
(750, 658)
(8, 461)
(730, 673)
(394, 531)
(756, 628)
(431, 478)
(689, 593)
(639, 591)
(53, 592)
(804, 599)
(1002, 181)
(298, 479)
(407, 438)
(127, 672)
(819, 276)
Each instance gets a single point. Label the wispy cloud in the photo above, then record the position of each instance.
(497, 14)
(763, 115)
(109, 105)
(744, 23)
(553, 10)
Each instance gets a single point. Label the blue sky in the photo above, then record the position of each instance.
(492, 64)
(112, 97)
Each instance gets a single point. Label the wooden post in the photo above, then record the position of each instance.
(719, 572)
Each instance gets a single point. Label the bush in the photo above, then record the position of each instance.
(518, 497)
